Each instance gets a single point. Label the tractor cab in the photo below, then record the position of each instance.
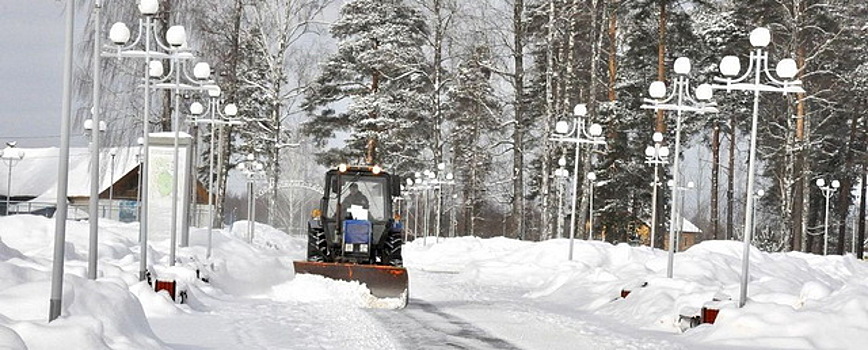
(357, 211)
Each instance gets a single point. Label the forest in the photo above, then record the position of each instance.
(478, 86)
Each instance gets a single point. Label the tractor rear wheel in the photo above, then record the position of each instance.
(392, 249)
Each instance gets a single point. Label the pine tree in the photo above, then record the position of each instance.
(800, 135)
(378, 67)
(624, 198)
(473, 111)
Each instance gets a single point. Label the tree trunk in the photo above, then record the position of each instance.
(846, 185)
(860, 235)
(275, 172)
(715, 180)
(229, 94)
(597, 37)
(799, 171)
(660, 123)
(518, 133)
(546, 225)
(371, 146)
(613, 63)
(730, 186)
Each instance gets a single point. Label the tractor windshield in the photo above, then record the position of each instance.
(360, 192)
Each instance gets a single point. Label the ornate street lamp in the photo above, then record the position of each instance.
(251, 168)
(119, 34)
(592, 182)
(679, 203)
(220, 119)
(576, 132)
(177, 38)
(680, 101)
(561, 174)
(758, 66)
(828, 191)
(656, 155)
(756, 197)
(439, 179)
(10, 156)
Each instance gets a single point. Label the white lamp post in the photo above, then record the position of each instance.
(441, 167)
(11, 156)
(578, 134)
(56, 298)
(678, 203)
(119, 34)
(418, 186)
(94, 147)
(251, 168)
(112, 155)
(140, 158)
(656, 155)
(561, 174)
(828, 190)
(730, 67)
(219, 119)
(176, 45)
(680, 101)
(453, 223)
(176, 37)
(756, 197)
(409, 188)
(592, 182)
(429, 186)
(437, 180)
(682, 190)
(93, 201)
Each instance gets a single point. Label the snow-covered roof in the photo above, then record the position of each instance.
(687, 226)
(36, 174)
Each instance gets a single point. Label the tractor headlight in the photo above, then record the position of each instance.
(348, 247)
(363, 248)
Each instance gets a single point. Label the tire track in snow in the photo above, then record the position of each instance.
(423, 326)
(505, 314)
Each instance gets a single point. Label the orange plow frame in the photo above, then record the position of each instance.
(382, 281)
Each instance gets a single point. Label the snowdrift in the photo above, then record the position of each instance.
(796, 300)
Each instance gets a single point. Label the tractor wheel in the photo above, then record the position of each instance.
(316, 246)
(392, 249)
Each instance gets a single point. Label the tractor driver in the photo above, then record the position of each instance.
(355, 198)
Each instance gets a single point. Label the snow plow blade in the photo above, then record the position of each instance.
(382, 281)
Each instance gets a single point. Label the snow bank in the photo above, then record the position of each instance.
(240, 268)
(796, 300)
(113, 311)
(99, 314)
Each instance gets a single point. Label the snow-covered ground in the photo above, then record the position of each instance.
(466, 293)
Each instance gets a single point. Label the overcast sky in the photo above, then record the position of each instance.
(31, 72)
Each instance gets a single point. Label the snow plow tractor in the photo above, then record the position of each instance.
(353, 235)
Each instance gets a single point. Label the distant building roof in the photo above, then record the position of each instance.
(36, 174)
(688, 226)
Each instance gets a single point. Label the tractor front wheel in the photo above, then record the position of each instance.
(317, 248)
